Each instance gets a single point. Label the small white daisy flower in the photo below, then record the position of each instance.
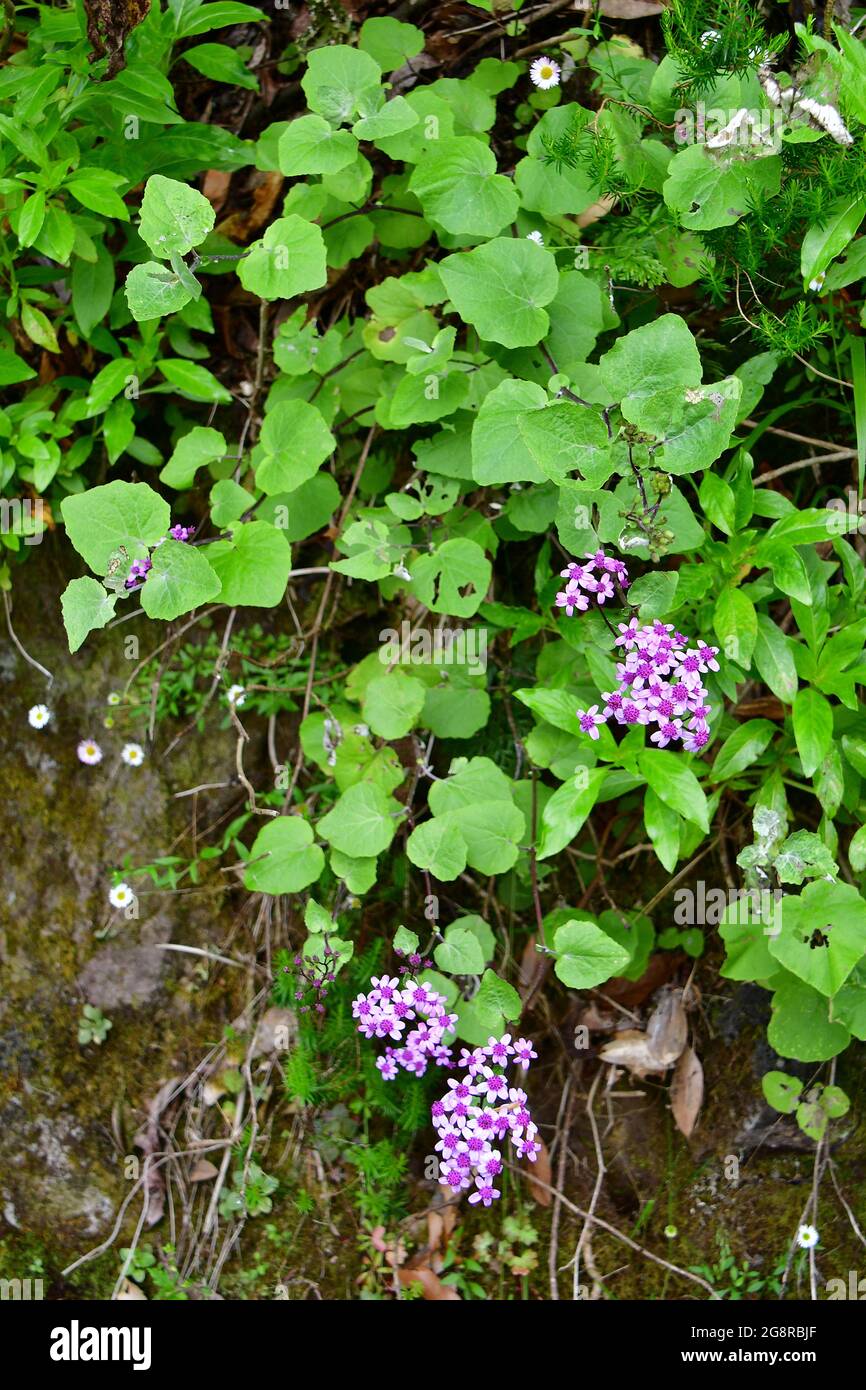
(807, 1237)
(121, 895)
(132, 754)
(89, 752)
(536, 237)
(236, 696)
(113, 698)
(38, 716)
(544, 73)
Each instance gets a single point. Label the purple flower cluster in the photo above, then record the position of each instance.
(388, 1010)
(660, 684)
(477, 1112)
(137, 571)
(596, 577)
(314, 975)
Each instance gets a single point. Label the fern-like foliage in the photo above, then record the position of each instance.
(795, 332)
(587, 145)
(708, 41)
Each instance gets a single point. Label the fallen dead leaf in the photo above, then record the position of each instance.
(687, 1091)
(595, 211)
(434, 1290)
(621, 9)
(659, 1047)
(238, 226)
(766, 707)
(533, 967)
(277, 1029)
(394, 1256)
(540, 1169)
(440, 1224)
(149, 1141)
(211, 1092)
(215, 187)
(131, 1293)
(203, 1171)
(597, 1018)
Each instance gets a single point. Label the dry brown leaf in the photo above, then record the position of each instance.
(393, 1255)
(687, 1091)
(595, 211)
(149, 1141)
(597, 1019)
(434, 1290)
(215, 187)
(238, 226)
(765, 707)
(540, 1169)
(131, 1293)
(203, 1171)
(659, 1047)
(275, 1032)
(211, 1092)
(440, 1223)
(622, 9)
(533, 967)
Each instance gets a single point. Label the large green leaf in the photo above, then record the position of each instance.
(180, 579)
(823, 934)
(454, 578)
(742, 748)
(813, 727)
(707, 190)
(474, 806)
(362, 823)
(174, 217)
(86, 605)
(199, 446)
(459, 188)
(460, 953)
(253, 567)
(775, 660)
(101, 520)
(501, 289)
(585, 955)
(339, 79)
(566, 812)
(827, 238)
(801, 1026)
(675, 784)
(393, 703)
(499, 454)
(311, 146)
(295, 441)
(566, 438)
(288, 860)
(289, 260)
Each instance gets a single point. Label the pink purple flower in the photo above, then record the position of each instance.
(137, 572)
(415, 1016)
(467, 1133)
(660, 686)
(596, 577)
